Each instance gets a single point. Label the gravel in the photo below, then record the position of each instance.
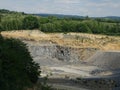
(106, 59)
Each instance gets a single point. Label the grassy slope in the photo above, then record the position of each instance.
(81, 40)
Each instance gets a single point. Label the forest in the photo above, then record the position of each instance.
(12, 20)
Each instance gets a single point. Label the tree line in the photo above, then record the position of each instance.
(19, 21)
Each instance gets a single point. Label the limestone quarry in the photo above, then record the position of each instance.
(87, 57)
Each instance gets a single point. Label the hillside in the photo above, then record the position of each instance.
(77, 17)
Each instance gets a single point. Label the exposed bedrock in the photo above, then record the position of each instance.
(62, 53)
(106, 59)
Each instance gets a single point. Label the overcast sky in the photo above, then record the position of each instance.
(69, 7)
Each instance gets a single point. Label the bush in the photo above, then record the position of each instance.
(30, 22)
(17, 68)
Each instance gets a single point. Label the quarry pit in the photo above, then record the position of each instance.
(81, 58)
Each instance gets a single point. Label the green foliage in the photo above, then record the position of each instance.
(4, 11)
(82, 27)
(17, 68)
(11, 25)
(11, 20)
(30, 22)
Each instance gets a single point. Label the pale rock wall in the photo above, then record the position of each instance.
(63, 53)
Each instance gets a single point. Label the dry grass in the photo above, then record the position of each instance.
(82, 40)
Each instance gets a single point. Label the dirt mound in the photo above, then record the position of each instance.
(109, 59)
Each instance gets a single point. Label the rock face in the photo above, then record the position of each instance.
(63, 53)
(106, 59)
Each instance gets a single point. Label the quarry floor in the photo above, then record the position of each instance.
(61, 74)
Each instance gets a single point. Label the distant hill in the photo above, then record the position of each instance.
(60, 15)
(76, 16)
(113, 17)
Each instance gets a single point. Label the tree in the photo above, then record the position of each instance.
(30, 22)
(17, 68)
(0, 22)
(82, 27)
(0, 18)
(87, 17)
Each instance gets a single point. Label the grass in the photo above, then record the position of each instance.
(80, 40)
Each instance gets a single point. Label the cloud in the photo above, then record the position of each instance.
(74, 7)
(104, 4)
(67, 1)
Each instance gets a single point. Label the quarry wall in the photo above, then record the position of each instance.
(62, 53)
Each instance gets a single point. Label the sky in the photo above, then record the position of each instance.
(97, 8)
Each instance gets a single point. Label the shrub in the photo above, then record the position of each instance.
(30, 22)
(17, 68)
